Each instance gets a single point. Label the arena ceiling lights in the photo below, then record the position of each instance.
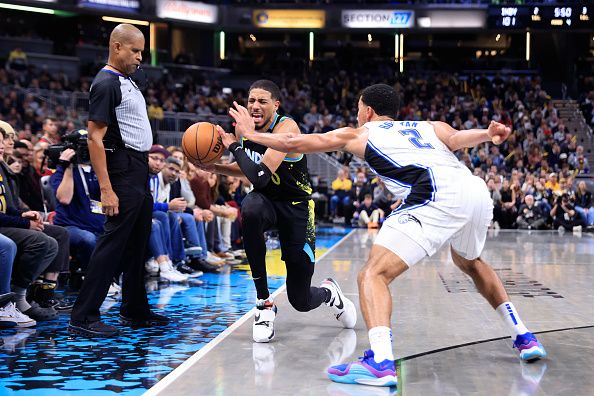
(40, 10)
(125, 20)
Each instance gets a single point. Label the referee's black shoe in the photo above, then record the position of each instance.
(153, 319)
(92, 329)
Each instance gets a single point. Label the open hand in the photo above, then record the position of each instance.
(244, 122)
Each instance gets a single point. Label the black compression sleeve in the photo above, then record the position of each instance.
(258, 174)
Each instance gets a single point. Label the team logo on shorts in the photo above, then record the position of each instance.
(407, 217)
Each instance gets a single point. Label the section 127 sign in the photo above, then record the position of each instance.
(395, 19)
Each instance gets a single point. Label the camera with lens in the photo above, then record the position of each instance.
(76, 141)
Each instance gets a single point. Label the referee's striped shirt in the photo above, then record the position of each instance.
(116, 100)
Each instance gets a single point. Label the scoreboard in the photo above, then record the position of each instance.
(577, 17)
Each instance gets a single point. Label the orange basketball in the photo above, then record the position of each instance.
(202, 144)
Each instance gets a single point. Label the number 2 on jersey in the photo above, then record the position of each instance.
(415, 138)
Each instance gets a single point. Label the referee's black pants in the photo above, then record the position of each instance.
(122, 247)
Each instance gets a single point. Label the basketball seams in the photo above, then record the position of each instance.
(203, 152)
(196, 140)
(186, 151)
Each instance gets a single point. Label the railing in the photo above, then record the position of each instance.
(169, 130)
(78, 101)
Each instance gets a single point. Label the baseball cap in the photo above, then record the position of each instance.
(176, 161)
(155, 148)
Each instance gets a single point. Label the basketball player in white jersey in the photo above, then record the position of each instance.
(442, 203)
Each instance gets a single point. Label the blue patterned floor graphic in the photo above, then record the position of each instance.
(46, 361)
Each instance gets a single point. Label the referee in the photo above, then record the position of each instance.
(119, 139)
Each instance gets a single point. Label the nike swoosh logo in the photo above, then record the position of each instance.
(340, 305)
(296, 202)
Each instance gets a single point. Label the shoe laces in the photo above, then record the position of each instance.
(265, 304)
(14, 312)
(368, 354)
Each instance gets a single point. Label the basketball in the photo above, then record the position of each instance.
(202, 144)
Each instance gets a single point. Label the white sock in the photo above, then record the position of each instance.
(380, 338)
(510, 316)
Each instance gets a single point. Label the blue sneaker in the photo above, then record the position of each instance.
(365, 372)
(529, 347)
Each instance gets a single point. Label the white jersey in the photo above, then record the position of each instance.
(413, 163)
(442, 201)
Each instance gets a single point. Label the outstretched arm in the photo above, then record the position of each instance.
(289, 142)
(315, 143)
(497, 133)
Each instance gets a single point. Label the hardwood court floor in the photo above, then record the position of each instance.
(447, 339)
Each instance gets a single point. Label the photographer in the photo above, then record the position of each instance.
(78, 206)
(564, 215)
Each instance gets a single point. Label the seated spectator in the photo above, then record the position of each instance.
(530, 217)
(17, 60)
(564, 215)
(163, 214)
(226, 215)
(553, 184)
(583, 204)
(341, 186)
(35, 250)
(204, 188)
(50, 132)
(170, 190)
(368, 214)
(42, 291)
(180, 187)
(506, 207)
(78, 206)
(10, 315)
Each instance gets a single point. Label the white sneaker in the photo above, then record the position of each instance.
(263, 327)
(212, 259)
(115, 291)
(344, 309)
(171, 274)
(10, 313)
(152, 267)
(577, 229)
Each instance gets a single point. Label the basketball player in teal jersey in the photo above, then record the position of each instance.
(280, 199)
(443, 203)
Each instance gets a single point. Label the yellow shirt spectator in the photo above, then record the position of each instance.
(342, 184)
(155, 112)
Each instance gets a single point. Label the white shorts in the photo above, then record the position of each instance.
(462, 219)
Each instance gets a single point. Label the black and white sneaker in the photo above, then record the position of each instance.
(187, 270)
(263, 327)
(344, 309)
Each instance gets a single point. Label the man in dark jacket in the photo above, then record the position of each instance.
(531, 217)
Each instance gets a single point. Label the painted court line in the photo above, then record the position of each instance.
(160, 386)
